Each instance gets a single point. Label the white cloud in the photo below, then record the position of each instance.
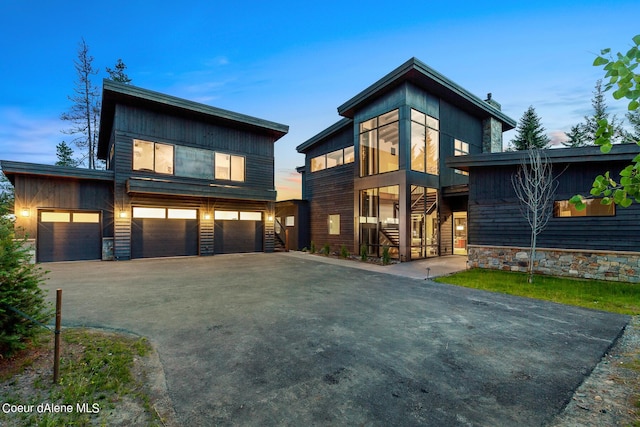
(29, 138)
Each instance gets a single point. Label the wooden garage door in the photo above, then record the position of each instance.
(68, 236)
(237, 233)
(164, 235)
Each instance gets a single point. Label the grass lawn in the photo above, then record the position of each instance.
(616, 297)
(97, 383)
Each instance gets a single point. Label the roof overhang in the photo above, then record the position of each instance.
(327, 133)
(421, 75)
(10, 169)
(591, 154)
(114, 93)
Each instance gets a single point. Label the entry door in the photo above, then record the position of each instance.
(460, 233)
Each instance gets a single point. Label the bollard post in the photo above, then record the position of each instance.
(56, 351)
(286, 240)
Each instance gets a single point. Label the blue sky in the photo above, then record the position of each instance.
(295, 62)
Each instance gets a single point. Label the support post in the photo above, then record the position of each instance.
(56, 351)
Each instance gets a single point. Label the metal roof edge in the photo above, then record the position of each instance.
(619, 152)
(25, 168)
(334, 128)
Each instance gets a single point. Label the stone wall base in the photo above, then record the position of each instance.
(601, 265)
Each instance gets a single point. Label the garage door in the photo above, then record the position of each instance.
(68, 236)
(162, 232)
(237, 232)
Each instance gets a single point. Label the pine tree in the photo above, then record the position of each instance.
(577, 136)
(529, 132)
(634, 120)
(117, 74)
(64, 153)
(600, 113)
(84, 113)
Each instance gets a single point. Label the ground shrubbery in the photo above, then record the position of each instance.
(19, 290)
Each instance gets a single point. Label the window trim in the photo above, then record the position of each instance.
(325, 157)
(373, 126)
(431, 125)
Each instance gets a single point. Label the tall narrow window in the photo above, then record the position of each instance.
(379, 144)
(425, 140)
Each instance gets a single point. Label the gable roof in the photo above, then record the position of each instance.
(418, 73)
(114, 93)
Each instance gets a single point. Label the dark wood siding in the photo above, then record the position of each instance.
(495, 217)
(331, 192)
(35, 191)
(137, 123)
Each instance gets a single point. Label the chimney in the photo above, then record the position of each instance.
(493, 102)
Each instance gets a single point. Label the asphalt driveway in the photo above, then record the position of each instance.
(273, 339)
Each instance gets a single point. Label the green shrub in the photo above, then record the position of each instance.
(344, 252)
(19, 289)
(363, 252)
(313, 248)
(326, 249)
(386, 258)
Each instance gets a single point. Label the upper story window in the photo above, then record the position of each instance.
(562, 208)
(460, 148)
(229, 167)
(425, 137)
(379, 143)
(152, 156)
(335, 158)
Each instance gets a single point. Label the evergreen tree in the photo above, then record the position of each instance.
(600, 113)
(577, 136)
(634, 120)
(84, 113)
(118, 74)
(529, 132)
(7, 196)
(64, 153)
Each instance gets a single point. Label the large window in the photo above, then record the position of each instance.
(379, 144)
(562, 208)
(379, 220)
(330, 160)
(152, 156)
(229, 167)
(425, 137)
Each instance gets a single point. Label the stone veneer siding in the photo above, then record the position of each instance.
(603, 265)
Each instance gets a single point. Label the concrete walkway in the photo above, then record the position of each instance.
(420, 269)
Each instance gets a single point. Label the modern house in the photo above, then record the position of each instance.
(602, 241)
(181, 178)
(378, 178)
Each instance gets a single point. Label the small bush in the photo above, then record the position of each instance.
(363, 252)
(344, 252)
(19, 289)
(326, 249)
(386, 258)
(313, 248)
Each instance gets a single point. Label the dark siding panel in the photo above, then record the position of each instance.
(495, 217)
(331, 192)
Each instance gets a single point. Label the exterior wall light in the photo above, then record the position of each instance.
(270, 217)
(207, 216)
(123, 214)
(25, 212)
